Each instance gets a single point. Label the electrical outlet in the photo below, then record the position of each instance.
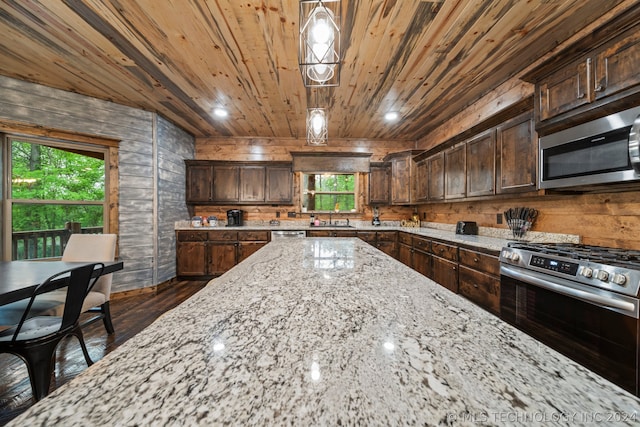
(424, 215)
(291, 214)
(499, 218)
(277, 214)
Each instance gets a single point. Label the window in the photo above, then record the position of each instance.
(53, 188)
(329, 192)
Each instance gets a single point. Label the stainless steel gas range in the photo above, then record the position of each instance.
(580, 300)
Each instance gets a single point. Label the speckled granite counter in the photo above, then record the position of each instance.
(489, 238)
(331, 332)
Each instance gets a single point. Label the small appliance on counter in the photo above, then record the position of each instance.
(468, 228)
(234, 217)
(376, 217)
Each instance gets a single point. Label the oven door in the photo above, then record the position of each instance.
(593, 334)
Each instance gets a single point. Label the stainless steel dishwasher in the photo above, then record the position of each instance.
(288, 234)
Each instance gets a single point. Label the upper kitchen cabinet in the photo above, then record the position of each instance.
(516, 155)
(436, 176)
(199, 183)
(279, 184)
(455, 173)
(422, 180)
(481, 164)
(210, 182)
(403, 177)
(591, 77)
(379, 184)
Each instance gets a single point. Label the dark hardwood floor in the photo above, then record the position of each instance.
(130, 315)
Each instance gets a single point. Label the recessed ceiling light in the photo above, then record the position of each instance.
(220, 112)
(391, 116)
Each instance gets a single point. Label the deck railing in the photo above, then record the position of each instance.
(43, 243)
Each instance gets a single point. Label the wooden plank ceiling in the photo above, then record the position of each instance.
(182, 58)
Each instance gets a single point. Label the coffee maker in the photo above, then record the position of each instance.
(234, 217)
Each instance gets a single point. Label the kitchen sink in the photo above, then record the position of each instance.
(333, 226)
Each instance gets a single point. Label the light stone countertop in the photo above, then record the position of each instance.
(488, 238)
(331, 331)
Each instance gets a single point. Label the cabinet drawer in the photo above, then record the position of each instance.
(320, 233)
(444, 251)
(387, 236)
(405, 238)
(483, 289)
(192, 236)
(367, 236)
(422, 244)
(480, 261)
(256, 235)
(223, 235)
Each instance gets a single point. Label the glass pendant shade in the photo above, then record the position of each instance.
(317, 126)
(318, 53)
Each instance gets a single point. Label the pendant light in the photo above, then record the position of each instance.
(317, 133)
(319, 46)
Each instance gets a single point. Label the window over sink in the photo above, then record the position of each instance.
(329, 192)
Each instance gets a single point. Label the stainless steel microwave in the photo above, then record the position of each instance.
(605, 150)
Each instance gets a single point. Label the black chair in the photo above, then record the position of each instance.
(34, 339)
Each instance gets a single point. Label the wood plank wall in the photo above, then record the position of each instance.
(279, 149)
(43, 107)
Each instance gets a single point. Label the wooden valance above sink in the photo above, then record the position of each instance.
(306, 161)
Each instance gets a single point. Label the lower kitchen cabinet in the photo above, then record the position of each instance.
(421, 261)
(445, 265)
(479, 278)
(405, 249)
(332, 233)
(206, 254)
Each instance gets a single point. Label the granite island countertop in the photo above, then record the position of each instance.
(331, 331)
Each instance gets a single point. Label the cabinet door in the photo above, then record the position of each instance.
(368, 236)
(422, 262)
(252, 180)
(379, 184)
(191, 259)
(401, 180)
(455, 173)
(279, 185)
(245, 249)
(445, 273)
(222, 257)
(565, 89)
(516, 156)
(436, 177)
(422, 181)
(225, 183)
(389, 248)
(199, 183)
(616, 65)
(481, 288)
(481, 164)
(405, 254)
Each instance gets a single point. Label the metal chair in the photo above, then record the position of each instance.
(35, 338)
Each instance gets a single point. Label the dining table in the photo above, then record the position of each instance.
(18, 279)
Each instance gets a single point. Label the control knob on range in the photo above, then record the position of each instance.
(602, 275)
(586, 272)
(619, 279)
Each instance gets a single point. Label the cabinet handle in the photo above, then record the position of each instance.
(475, 286)
(454, 268)
(599, 88)
(476, 260)
(581, 95)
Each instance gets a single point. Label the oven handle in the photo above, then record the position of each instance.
(627, 307)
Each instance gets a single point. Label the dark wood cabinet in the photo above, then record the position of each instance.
(226, 183)
(386, 241)
(332, 233)
(206, 254)
(436, 176)
(403, 177)
(445, 265)
(422, 180)
(422, 259)
(199, 183)
(616, 64)
(279, 185)
(517, 153)
(455, 173)
(479, 278)
(405, 249)
(379, 184)
(481, 164)
(255, 183)
(564, 90)
(252, 183)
